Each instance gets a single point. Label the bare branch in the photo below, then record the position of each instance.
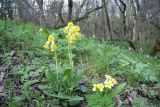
(120, 8)
(118, 5)
(86, 15)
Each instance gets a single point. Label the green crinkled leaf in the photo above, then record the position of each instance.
(139, 102)
(77, 77)
(51, 78)
(46, 89)
(68, 74)
(74, 100)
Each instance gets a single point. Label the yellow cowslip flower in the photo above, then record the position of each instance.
(114, 81)
(70, 25)
(45, 46)
(72, 39)
(108, 76)
(53, 48)
(67, 37)
(100, 87)
(47, 43)
(94, 87)
(65, 30)
(50, 38)
(108, 84)
(78, 35)
(76, 29)
(72, 32)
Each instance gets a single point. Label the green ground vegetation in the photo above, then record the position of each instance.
(31, 71)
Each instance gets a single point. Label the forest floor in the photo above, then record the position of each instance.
(31, 76)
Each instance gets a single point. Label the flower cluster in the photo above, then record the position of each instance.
(50, 44)
(72, 32)
(108, 83)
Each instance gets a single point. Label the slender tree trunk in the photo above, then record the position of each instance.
(124, 26)
(134, 38)
(60, 12)
(2, 8)
(103, 20)
(5, 17)
(70, 6)
(122, 9)
(107, 19)
(95, 29)
(9, 9)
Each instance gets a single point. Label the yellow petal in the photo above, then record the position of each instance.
(50, 38)
(94, 87)
(45, 46)
(67, 36)
(47, 43)
(77, 34)
(76, 28)
(108, 84)
(70, 24)
(114, 81)
(71, 41)
(65, 30)
(53, 47)
(108, 76)
(100, 87)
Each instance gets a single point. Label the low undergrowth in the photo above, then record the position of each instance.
(64, 76)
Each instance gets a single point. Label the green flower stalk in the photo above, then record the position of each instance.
(70, 56)
(50, 44)
(72, 36)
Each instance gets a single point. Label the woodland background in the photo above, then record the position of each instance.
(133, 20)
(117, 37)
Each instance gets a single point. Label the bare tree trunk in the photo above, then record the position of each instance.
(95, 28)
(24, 13)
(9, 9)
(70, 6)
(60, 12)
(123, 11)
(103, 21)
(20, 11)
(5, 15)
(139, 15)
(134, 37)
(108, 21)
(155, 51)
(43, 21)
(133, 40)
